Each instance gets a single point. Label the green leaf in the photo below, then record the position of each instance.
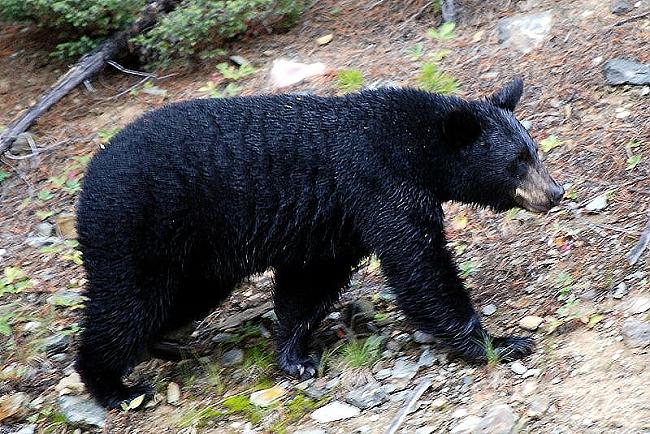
(550, 143)
(5, 328)
(594, 319)
(44, 215)
(4, 175)
(444, 32)
(350, 80)
(45, 195)
(432, 79)
(135, 403)
(633, 161)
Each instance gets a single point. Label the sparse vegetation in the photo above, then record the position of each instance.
(361, 353)
(432, 79)
(350, 80)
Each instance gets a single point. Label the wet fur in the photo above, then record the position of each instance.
(191, 199)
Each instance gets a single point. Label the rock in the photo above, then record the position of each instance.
(38, 241)
(32, 326)
(232, 357)
(623, 71)
(383, 374)
(65, 298)
(368, 396)
(11, 405)
(155, 91)
(439, 403)
(56, 344)
(173, 393)
(224, 338)
(489, 309)
(598, 203)
(334, 411)
(285, 73)
(82, 411)
(239, 60)
(422, 338)
(66, 226)
(498, 420)
(71, 384)
(518, 368)
(538, 407)
(26, 429)
(620, 291)
(325, 39)
(266, 397)
(404, 369)
(466, 426)
(44, 229)
(530, 322)
(638, 305)
(428, 429)
(619, 7)
(636, 333)
(427, 358)
(309, 431)
(525, 32)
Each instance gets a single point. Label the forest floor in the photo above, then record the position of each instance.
(591, 369)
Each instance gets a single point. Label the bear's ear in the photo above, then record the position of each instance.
(461, 127)
(508, 97)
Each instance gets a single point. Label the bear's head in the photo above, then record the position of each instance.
(495, 162)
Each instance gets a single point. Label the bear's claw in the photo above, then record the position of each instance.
(304, 368)
(510, 348)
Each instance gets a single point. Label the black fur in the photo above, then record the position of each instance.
(192, 198)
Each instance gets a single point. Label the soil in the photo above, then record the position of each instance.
(567, 266)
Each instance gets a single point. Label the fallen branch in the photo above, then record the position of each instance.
(417, 393)
(636, 252)
(86, 67)
(630, 19)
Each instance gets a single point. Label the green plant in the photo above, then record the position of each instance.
(213, 91)
(349, 80)
(14, 281)
(432, 79)
(633, 159)
(564, 283)
(240, 404)
(230, 72)
(4, 175)
(361, 353)
(416, 51)
(467, 268)
(492, 356)
(444, 32)
(198, 417)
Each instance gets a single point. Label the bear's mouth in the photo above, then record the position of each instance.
(536, 201)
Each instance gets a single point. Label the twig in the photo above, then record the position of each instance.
(630, 19)
(119, 67)
(37, 151)
(636, 252)
(417, 393)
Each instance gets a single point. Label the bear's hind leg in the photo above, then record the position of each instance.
(302, 297)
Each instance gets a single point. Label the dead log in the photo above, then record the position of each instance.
(86, 67)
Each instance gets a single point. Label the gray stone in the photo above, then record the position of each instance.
(428, 429)
(382, 374)
(619, 7)
(525, 32)
(489, 309)
(82, 411)
(22, 145)
(538, 407)
(498, 420)
(224, 338)
(334, 411)
(56, 343)
(422, 338)
(620, 291)
(44, 229)
(466, 426)
(623, 71)
(404, 369)
(26, 429)
(427, 358)
(638, 305)
(368, 396)
(518, 368)
(232, 357)
(37, 242)
(636, 333)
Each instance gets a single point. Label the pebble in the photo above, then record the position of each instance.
(56, 343)
(232, 357)
(598, 203)
(466, 426)
(439, 403)
(620, 291)
(425, 430)
(620, 7)
(636, 333)
(44, 229)
(173, 393)
(404, 369)
(525, 32)
(334, 411)
(638, 305)
(266, 397)
(498, 420)
(71, 384)
(422, 338)
(82, 411)
(538, 407)
(488, 310)
(518, 368)
(625, 71)
(11, 405)
(368, 396)
(530, 322)
(459, 412)
(26, 429)
(427, 358)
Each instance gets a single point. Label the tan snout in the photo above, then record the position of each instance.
(538, 192)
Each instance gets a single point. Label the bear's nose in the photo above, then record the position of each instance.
(556, 194)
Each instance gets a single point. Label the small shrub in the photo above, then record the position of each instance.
(350, 80)
(362, 354)
(432, 79)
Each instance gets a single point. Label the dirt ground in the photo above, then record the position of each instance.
(567, 267)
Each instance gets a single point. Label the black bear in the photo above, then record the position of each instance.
(189, 200)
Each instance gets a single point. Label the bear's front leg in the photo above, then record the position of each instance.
(302, 297)
(411, 246)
